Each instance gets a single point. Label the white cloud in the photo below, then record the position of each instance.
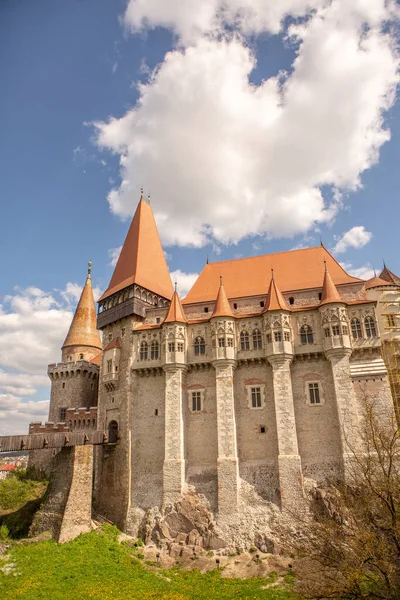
(113, 254)
(184, 281)
(357, 237)
(364, 272)
(225, 158)
(191, 19)
(15, 415)
(33, 326)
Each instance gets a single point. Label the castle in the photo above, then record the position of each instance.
(253, 384)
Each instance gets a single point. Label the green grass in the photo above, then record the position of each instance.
(20, 498)
(95, 566)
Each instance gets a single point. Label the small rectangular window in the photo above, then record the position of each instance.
(345, 330)
(269, 338)
(109, 366)
(278, 336)
(180, 346)
(313, 391)
(286, 336)
(110, 337)
(63, 414)
(123, 331)
(335, 330)
(196, 401)
(158, 320)
(229, 342)
(256, 397)
(327, 332)
(221, 342)
(171, 346)
(391, 321)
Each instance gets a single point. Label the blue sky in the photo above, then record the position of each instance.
(67, 68)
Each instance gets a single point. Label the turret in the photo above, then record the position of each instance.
(222, 327)
(74, 381)
(333, 316)
(141, 278)
(83, 339)
(174, 333)
(277, 322)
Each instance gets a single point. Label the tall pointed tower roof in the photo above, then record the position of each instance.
(222, 307)
(329, 290)
(142, 259)
(83, 331)
(387, 275)
(275, 300)
(175, 312)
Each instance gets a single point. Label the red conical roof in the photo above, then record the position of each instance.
(377, 282)
(222, 307)
(83, 331)
(329, 290)
(387, 275)
(275, 300)
(142, 259)
(175, 312)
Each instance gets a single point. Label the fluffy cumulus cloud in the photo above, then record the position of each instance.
(33, 326)
(225, 158)
(184, 281)
(357, 237)
(364, 272)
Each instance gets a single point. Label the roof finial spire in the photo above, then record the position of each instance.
(321, 242)
(148, 197)
(220, 280)
(176, 285)
(272, 274)
(89, 268)
(326, 268)
(141, 193)
(374, 272)
(207, 260)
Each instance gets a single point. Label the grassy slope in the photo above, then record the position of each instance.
(98, 567)
(20, 497)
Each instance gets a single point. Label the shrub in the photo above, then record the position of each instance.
(4, 533)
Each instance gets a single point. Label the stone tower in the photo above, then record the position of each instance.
(141, 281)
(74, 381)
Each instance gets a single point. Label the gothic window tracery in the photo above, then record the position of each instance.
(244, 340)
(370, 327)
(199, 346)
(144, 350)
(356, 330)
(257, 339)
(306, 335)
(154, 350)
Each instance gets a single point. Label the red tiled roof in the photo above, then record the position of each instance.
(83, 330)
(175, 312)
(295, 270)
(222, 307)
(142, 258)
(113, 344)
(329, 291)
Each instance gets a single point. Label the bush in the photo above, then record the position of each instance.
(4, 533)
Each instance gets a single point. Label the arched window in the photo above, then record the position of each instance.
(199, 346)
(244, 340)
(370, 327)
(81, 356)
(144, 350)
(113, 432)
(306, 334)
(356, 330)
(154, 350)
(257, 339)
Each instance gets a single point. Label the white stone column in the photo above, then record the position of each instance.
(346, 403)
(227, 462)
(289, 462)
(174, 461)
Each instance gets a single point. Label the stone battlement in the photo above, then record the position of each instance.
(73, 369)
(49, 426)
